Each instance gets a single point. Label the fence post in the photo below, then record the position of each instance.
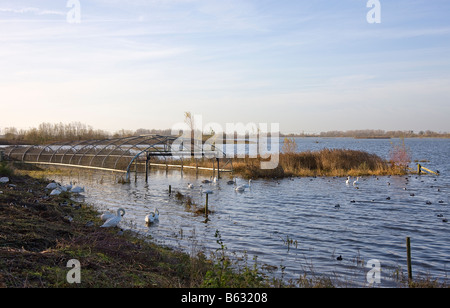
(206, 205)
(408, 255)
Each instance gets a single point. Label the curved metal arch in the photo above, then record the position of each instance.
(26, 151)
(85, 144)
(160, 139)
(57, 151)
(72, 148)
(129, 151)
(112, 141)
(88, 147)
(118, 146)
(43, 149)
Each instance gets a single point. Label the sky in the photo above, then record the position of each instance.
(310, 66)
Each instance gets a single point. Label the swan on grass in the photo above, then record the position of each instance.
(78, 190)
(107, 216)
(152, 217)
(115, 220)
(56, 192)
(68, 187)
(53, 185)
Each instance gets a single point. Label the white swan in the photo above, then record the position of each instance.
(240, 188)
(249, 185)
(56, 192)
(107, 216)
(52, 186)
(355, 183)
(68, 187)
(152, 217)
(348, 181)
(78, 190)
(114, 221)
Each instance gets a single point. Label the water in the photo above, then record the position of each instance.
(261, 221)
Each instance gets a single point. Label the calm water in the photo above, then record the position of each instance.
(259, 221)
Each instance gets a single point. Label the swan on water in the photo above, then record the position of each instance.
(152, 217)
(207, 181)
(232, 182)
(240, 188)
(356, 182)
(114, 221)
(348, 181)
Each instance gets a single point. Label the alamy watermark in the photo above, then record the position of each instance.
(74, 275)
(374, 275)
(74, 14)
(241, 140)
(374, 15)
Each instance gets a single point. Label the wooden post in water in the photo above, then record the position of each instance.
(147, 162)
(408, 258)
(135, 171)
(218, 168)
(170, 189)
(206, 205)
(419, 169)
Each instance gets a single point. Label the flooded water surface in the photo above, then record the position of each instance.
(302, 225)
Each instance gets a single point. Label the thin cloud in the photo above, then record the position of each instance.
(31, 10)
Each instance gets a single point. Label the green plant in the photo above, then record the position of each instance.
(6, 170)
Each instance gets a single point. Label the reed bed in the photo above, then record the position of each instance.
(327, 162)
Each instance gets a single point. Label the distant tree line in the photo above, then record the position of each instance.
(47, 133)
(375, 133)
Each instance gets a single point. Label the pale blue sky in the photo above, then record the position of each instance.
(309, 65)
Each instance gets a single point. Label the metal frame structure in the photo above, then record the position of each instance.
(117, 154)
